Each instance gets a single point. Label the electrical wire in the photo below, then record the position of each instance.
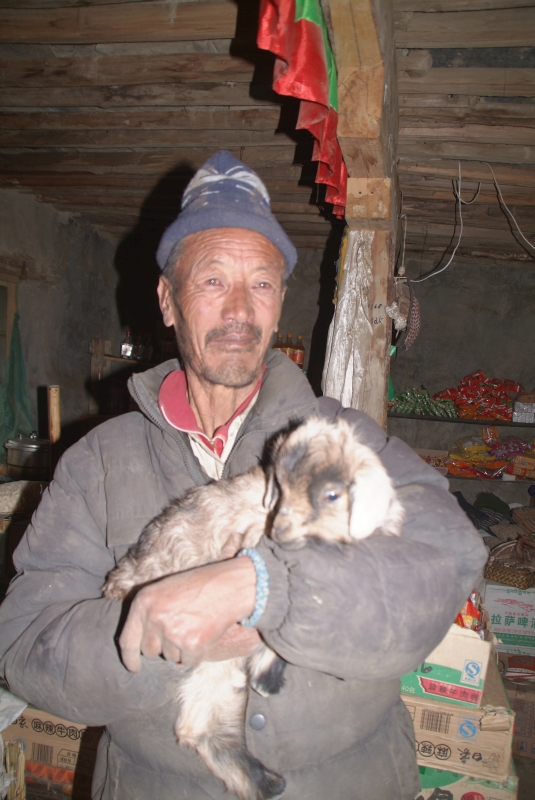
(461, 202)
(457, 192)
(474, 198)
(504, 204)
(401, 270)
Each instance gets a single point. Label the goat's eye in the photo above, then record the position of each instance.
(331, 495)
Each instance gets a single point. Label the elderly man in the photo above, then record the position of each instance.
(348, 622)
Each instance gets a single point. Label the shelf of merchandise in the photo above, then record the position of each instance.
(461, 420)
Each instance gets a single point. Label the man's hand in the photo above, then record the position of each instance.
(185, 617)
(236, 642)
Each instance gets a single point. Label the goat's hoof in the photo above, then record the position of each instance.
(272, 786)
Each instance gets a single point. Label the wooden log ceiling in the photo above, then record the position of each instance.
(107, 106)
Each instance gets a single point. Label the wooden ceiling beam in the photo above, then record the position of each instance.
(104, 139)
(513, 196)
(488, 28)
(486, 81)
(290, 210)
(154, 94)
(499, 114)
(176, 118)
(129, 22)
(55, 3)
(277, 176)
(149, 161)
(467, 151)
(494, 257)
(443, 232)
(454, 5)
(484, 134)
(506, 174)
(103, 70)
(473, 216)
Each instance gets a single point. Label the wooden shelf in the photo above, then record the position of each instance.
(486, 422)
(119, 360)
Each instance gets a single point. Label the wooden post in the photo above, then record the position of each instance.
(54, 426)
(367, 130)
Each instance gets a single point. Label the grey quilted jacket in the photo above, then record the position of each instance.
(349, 621)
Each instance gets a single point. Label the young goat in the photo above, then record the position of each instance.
(322, 482)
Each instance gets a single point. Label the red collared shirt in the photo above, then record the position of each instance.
(177, 411)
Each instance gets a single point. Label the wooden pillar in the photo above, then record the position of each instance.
(54, 426)
(364, 48)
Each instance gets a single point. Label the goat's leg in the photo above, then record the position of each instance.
(212, 712)
(266, 671)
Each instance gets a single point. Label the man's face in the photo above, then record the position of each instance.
(227, 304)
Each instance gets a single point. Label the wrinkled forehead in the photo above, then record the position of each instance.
(237, 249)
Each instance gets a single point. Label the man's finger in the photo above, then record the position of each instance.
(171, 653)
(151, 643)
(130, 642)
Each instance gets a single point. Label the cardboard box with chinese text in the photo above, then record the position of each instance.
(439, 785)
(53, 741)
(471, 741)
(512, 617)
(454, 672)
(522, 699)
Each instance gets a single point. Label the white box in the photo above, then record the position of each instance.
(471, 741)
(454, 672)
(511, 617)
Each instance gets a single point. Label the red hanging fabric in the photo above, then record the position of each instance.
(302, 71)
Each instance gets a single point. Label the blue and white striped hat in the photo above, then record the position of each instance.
(225, 193)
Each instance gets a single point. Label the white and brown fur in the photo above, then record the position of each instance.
(321, 482)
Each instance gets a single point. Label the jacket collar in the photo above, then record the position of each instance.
(285, 393)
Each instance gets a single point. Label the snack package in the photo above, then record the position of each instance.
(509, 447)
(469, 446)
(470, 615)
(479, 397)
(419, 401)
(490, 435)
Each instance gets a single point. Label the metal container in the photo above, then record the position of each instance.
(28, 458)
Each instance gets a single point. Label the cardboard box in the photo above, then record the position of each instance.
(454, 672)
(522, 699)
(55, 742)
(470, 741)
(517, 669)
(439, 785)
(511, 617)
(55, 782)
(524, 465)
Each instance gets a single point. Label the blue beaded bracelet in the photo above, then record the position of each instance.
(262, 586)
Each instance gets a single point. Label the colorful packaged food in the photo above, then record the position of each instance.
(479, 397)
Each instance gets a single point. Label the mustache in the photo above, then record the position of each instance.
(243, 328)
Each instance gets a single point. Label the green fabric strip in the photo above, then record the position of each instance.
(310, 11)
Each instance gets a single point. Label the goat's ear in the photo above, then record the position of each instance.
(371, 495)
(271, 495)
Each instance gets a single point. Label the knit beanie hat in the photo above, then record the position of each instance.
(225, 193)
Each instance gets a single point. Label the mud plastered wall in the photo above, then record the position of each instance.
(308, 307)
(68, 296)
(472, 317)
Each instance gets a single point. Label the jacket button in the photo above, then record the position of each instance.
(257, 722)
